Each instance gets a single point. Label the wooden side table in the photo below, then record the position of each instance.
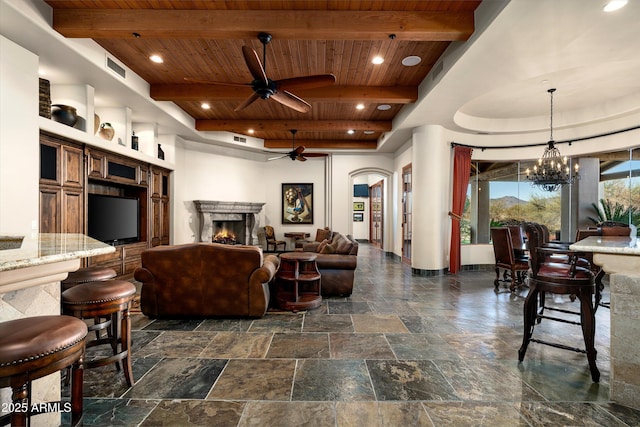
(298, 282)
(295, 236)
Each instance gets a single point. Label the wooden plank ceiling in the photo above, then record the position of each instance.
(201, 41)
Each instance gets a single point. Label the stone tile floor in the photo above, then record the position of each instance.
(403, 350)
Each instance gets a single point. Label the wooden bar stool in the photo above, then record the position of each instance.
(34, 347)
(86, 275)
(110, 300)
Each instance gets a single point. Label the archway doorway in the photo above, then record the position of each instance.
(361, 230)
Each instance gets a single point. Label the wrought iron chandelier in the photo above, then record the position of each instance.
(552, 170)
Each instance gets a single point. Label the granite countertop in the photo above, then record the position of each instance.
(45, 248)
(609, 245)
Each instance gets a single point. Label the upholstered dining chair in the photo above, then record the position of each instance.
(562, 279)
(518, 242)
(514, 267)
(270, 236)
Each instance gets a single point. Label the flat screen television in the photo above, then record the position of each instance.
(113, 219)
(360, 190)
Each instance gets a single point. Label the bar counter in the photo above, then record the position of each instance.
(43, 258)
(620, 257)
(31, 268)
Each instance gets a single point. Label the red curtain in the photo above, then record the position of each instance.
(461, 172)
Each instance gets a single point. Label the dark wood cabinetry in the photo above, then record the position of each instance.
(159, 189)
(61, 186)
(70, 172)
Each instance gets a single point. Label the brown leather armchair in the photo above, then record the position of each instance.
(205, 280)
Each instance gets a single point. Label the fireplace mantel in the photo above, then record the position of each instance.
(211, 210)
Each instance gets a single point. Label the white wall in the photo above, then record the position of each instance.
(205, 172)
(19, 139)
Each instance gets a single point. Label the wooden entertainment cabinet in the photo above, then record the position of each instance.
(69, 171)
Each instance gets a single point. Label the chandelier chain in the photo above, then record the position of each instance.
(551, 115)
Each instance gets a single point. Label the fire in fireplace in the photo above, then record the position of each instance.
(225, 236)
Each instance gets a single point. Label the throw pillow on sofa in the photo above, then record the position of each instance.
(326, 248)
(323, 234)
(342, 244)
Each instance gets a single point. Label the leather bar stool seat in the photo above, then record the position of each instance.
(86, 275)
(34, 347)
(110, 300)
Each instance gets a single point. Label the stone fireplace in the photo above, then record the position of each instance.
(229, 218)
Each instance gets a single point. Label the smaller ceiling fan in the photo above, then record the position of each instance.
(278, 90)
(297, 153)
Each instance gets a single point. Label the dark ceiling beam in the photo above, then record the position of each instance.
(332, 144)
(241, 126)
(282, 24)
(212, 92)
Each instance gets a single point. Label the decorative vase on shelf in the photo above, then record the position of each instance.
(160, 152)
(65, 114)
(106, 131)
(134, 141)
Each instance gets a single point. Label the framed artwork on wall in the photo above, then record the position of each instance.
(358, 206)
(358, 217)
(297, 203)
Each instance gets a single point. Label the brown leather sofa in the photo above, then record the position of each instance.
(205, 280)
(337, 264)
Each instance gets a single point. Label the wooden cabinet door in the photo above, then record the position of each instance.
(72, 210)
(50, 209)
(156, 183)
(164, 229)
(72, 167)
(156, 221)
(97, 164)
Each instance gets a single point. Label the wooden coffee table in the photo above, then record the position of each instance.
(297, 284)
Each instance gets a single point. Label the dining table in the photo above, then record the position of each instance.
(620, 258)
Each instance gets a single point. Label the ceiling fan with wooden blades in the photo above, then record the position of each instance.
(297, 153)
(278, 90)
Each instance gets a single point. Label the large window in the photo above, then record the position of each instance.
(499, 194)
(620, 188)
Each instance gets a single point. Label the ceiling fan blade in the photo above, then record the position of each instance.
(254, 96)
(301, 158)
(298, 150)
(209, 82)
(254, 65)
(290, 100)
(279, 157)
(308, 82)
(316, 154)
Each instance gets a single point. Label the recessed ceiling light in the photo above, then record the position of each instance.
(369, 132)
(250, 131)
(360, 107)
(613, 5)
(351, 131)
(410, 61)
(384, 107)
(157, 59)
(205, 106)
(377, 60)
